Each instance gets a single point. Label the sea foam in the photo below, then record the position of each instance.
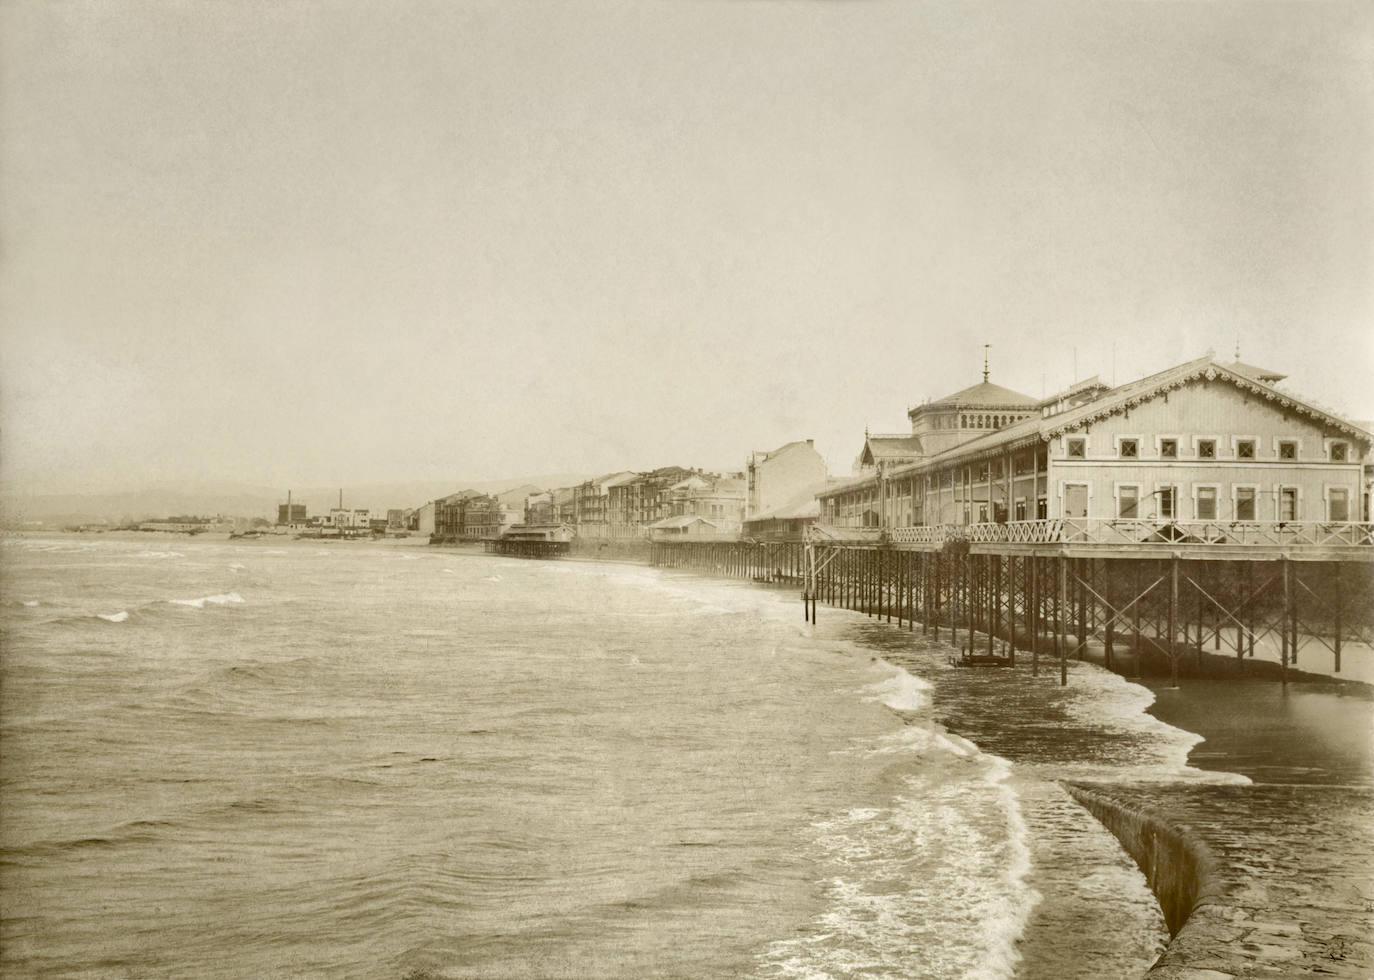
(222, 599)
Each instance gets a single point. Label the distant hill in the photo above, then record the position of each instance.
(18, 509)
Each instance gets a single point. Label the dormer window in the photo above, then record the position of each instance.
(1077, 448)
(1206, 449)
(1338, 452)
(1130, 449)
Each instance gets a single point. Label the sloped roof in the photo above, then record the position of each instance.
(1041, 429)
(989, 394)
(795, 443)
(893, 445)
(803, 505)
(680, 521)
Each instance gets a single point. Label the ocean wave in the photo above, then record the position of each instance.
(934, 884)
(221, 599)
(903, 691)
(118, 617)
(159, 554)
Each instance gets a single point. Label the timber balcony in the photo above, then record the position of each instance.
(1129, 537)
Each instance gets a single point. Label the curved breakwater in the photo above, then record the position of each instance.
(293, 761)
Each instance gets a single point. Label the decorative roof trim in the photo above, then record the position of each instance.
(1208, 372)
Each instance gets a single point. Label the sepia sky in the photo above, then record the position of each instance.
(342, 241)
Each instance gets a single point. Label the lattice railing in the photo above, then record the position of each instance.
(1117, 531)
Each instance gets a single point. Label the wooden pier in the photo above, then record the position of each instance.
(527, 548)
(1149, 596)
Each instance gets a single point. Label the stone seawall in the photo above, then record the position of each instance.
(1254, 881)
(1177, 869)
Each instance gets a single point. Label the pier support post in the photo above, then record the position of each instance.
(1287, 613)
(1338, 592)
(1173, 612)
(1109, 614)
(1061, 637)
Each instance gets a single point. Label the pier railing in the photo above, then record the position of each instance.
(1127, 531)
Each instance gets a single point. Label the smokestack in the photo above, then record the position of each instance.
(340, 498)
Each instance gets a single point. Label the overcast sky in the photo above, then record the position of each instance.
(332, 242)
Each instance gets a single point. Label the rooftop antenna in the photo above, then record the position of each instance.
(985, 363)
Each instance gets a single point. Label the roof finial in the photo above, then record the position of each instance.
(985, 363)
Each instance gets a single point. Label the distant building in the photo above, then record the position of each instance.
(774, 479)
(291, 514)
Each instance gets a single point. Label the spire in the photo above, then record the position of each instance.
(985, 362)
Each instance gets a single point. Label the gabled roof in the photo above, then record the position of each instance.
(985, 393)
(1127, 396)
(890, 447)
(682, 521)
(1038, 429)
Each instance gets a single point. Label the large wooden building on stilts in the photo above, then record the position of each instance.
(1200, 506)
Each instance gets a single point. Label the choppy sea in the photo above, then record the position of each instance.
(287, 759)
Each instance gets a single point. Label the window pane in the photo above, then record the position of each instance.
(1167, 502)
(1288, 505)
(1128, 449)
(1076, 448)
(1128, 502)
(1288, 450)
(1168, 448)
(1245, 504)
(1207, 503)
(1339, 506)
(1338, 454)
(1207, 449)
(1245, 449)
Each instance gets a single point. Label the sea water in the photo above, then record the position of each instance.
(289, 759)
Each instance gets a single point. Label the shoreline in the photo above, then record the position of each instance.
(1272, 879)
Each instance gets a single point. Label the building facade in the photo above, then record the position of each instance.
(1200, 442)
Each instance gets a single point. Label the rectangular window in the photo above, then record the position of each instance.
(982, 472)
(1168, 502)
(1288, 449)
(1020, 510)
(1206, 503)
(1042, 509)
(1245, 449)
(1245, 503)
(1130, 449)
(1077, 448)
(982, 513)
(1128, 502)
(1288, 504)
(1168, 448)
(1206, 449)
(997, 469)
(1338, 456)
(1338, 503)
